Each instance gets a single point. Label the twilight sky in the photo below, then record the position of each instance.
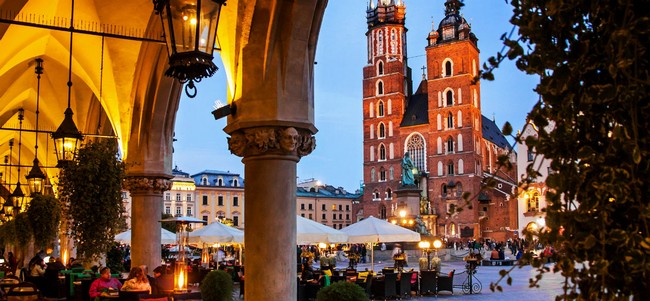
(341, 55)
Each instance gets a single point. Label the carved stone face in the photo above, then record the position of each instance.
(289, 139)
(237, 143)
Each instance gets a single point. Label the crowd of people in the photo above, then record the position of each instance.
(329, 256)
(138, 280)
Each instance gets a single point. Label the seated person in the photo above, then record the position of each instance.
(102, 285)
(494, 255)
(37, 269)
(137, 281)
(163, 281)
(307, 274)
(55, 264)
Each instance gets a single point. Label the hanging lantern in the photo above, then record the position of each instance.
(17, 198)
(35, 179)
(190, 28)
(66, 139)
(8, 207)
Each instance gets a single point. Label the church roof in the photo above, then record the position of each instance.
(417, 110)
(325, 191)
(492, 133)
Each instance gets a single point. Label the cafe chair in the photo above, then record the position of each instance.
(24, 291)
(446, 283)
(384, 288)
(428, 282)
(365, 282)
(404, 285)
(7, 282)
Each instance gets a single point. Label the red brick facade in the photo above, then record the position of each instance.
(440, 124)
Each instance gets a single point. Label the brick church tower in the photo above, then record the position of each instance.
(453, 147)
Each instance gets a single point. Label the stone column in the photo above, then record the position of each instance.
(146, 211)
(270, 158)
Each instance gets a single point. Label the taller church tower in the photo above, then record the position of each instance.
(453, 147)
(385, 87)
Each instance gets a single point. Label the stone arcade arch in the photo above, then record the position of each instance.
(274, 40)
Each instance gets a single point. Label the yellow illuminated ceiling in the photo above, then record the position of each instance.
(109, 70)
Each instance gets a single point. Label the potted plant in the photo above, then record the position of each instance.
(217, 286)
(342, 291)
(91, 193)
(44, 213)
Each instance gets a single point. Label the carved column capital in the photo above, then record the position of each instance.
(271, 140)
(146, 184)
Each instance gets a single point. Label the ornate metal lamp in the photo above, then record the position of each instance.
(36, 177)
(190, 28)
(67, 136)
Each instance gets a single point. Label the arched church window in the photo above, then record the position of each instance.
(450, 168)
(380, 68)
(372, 174)
(450, 145)
(380, 109)
(380, 88)
(382, 152)
(382, 130)
(389, 194)
(416, 146)
(450, 121)
(450, 97)
(382, 174)
(448, 70)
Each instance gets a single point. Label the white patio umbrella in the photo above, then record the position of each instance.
(373, 230)
(216, 233)
(311, 232)
(166, 237)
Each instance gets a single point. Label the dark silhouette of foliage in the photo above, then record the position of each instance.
(90, 190)
(23, 230)
(593, 117)
(114, 258)
(217, 286)
(44, 213)
(341, 291)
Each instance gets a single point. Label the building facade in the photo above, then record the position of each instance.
(180, 200)
(325, 204)
(220, 197)
(531, 199)
(453, 146)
